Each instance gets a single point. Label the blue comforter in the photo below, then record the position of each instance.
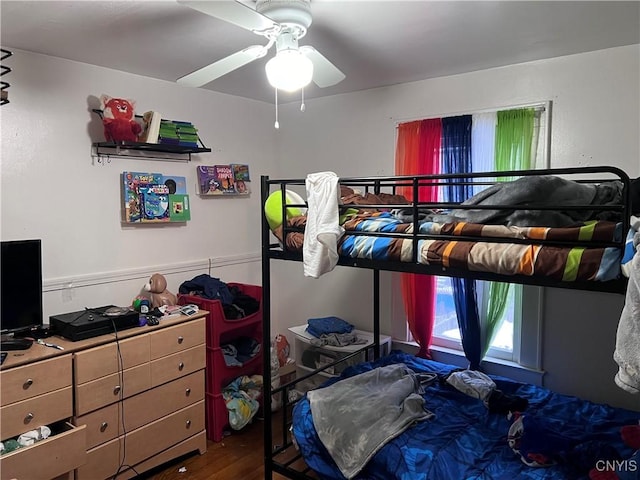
(464, 441)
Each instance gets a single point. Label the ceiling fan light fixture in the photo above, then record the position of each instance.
(289, 70)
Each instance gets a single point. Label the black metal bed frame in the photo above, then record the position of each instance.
(291, 465)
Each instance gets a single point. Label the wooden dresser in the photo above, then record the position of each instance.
(135, 399)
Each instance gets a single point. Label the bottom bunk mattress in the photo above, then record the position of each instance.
(458, 437)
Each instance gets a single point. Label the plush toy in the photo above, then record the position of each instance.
(119, 119)
(157, 287)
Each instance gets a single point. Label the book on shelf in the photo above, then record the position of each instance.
(153, 198)
(132, 182)
(241, 178)
(155, 203)
(241, 172)
(219, 180)
(179, 208)
(224, 174)
(151, 127)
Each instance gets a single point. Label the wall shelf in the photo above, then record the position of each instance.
(140, 150)
(182, 153)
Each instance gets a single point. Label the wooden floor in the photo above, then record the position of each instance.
(238, 457)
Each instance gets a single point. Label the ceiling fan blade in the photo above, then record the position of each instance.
(233, 12)
(222, 67)
(325, 73)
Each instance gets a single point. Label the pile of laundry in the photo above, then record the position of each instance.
(25, 440)
(239, 351)
(235, 303)
(241, 398)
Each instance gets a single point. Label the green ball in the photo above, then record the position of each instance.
(273, 208)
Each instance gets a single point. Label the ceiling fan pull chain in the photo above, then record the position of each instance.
(277, 124)
(303, 107)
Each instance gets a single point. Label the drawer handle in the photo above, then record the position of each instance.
(28, 418)
(103, 426)
(180, 366)
(180, 339)
(116, 390)
(188, 423)
(28, 383)
(188, 392)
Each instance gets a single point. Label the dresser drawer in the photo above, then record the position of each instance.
(20, 417)
(106, 390)
(143, 443)
(62, 452)
(104, 424)
(35, 379)
(104, 360)
(174, 366)
(174, 339)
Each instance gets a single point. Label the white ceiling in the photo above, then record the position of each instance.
(375, 43)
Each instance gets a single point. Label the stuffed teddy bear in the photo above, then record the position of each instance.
(157, 287)
(118, 119)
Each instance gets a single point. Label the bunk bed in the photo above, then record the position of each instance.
(386, 232)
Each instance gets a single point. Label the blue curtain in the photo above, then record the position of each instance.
(456, 158)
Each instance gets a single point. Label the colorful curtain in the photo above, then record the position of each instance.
(483, 145)
(418, 152)
(456, 158)
(514, 134)
(483, 142)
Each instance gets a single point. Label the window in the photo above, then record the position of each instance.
(517, 334)
(447, 334)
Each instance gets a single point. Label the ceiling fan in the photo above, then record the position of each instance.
(283, 23)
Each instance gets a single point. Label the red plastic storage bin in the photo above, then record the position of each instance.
(219, 374)
(217, 416)
(220, 330)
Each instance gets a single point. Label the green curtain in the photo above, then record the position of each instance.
(514, 133)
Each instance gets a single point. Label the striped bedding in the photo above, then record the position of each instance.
(559, 263)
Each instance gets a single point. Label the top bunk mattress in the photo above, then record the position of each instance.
(567, 257)
(539, 229)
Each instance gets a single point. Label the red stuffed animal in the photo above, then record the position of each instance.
(118, 120)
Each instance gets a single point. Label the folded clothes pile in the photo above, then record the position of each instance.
(327, 325)
(332, 331)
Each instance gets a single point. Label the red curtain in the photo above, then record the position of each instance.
(418, 152)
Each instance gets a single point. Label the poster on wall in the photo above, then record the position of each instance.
(223, 180)
(154, 198)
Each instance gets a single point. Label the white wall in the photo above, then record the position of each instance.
(53, 189)
(595, 121)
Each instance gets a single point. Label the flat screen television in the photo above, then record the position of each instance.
(20, 287)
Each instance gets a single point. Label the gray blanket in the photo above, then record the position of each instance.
(357, 416)
(543, 190)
